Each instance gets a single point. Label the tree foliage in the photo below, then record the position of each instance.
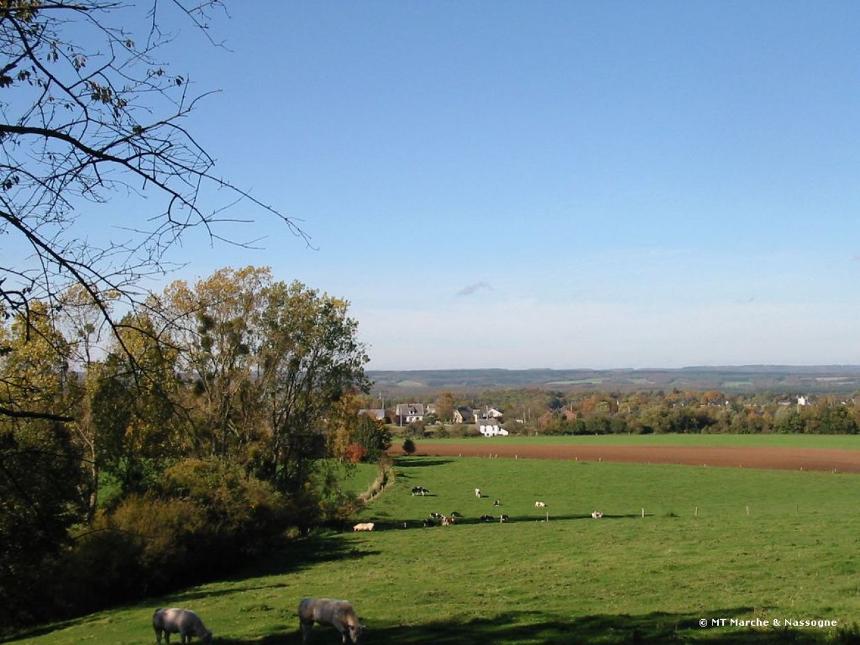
(91, 118)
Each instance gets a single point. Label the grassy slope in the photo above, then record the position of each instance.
(570, 580)
(837, 442)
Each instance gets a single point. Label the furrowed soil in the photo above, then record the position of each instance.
(734, 457)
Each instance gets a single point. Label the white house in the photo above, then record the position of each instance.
(409, 412)
(491, 428)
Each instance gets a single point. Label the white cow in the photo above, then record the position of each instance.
(597, 515)
(179, 621)
(540, 504)
(364, 526)
(337, 613)
(477, 492)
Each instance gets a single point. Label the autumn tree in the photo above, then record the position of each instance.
(40, 468)
(308, 358)
(90, 117)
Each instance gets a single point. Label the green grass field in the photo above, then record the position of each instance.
(836, 442)
(624, 578)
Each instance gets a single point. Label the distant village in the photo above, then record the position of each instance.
(547, 412)
(488, 420)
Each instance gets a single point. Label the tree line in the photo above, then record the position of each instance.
(546, 411)
(201, 431)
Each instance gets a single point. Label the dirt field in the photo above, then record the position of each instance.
(780, 458)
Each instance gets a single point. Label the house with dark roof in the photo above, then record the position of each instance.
(409, 412)
(464, 415)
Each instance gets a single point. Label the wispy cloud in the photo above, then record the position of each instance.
(471, 289)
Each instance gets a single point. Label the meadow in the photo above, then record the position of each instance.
(715, 543)
(829, 441)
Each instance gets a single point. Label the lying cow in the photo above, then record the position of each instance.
(420, 490)
(503, 518)
(363, 526)
(488, 518)
(597, 515)
(448, 521)
(337, 613)
(179, 621)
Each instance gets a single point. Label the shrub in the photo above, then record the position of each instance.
(409, 447)
(355, 453)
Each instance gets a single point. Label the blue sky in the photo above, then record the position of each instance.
(550, 184)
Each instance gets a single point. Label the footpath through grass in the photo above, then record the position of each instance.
(624, 578)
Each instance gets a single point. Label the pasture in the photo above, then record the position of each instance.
(816, 441)
(623, 578)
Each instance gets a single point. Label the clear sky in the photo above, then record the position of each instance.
(551, 184)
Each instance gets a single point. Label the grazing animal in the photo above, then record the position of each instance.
(477, 492)
(420, 490)
(597, 515)
(448, 521)
(179, 621)
(488, 518)
(363, 526)
(540, 504)
(498, 502)
(337, 613)
(503, 518)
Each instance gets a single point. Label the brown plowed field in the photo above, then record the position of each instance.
(781, 458)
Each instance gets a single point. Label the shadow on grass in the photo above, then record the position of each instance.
(401, 524)
(293, 557)
(298, 555)
(532, 627)
(420, 462)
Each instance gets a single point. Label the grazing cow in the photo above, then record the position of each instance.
(477, 492)
(488, 518)
(179, 621)
(498, 502)
(503, 518)
(540, 504)
(337, 613)
(363, 526)
(420, 490)
(597, 515)
(448, 521)
(436, 516)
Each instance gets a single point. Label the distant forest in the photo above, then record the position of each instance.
(824, 379)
